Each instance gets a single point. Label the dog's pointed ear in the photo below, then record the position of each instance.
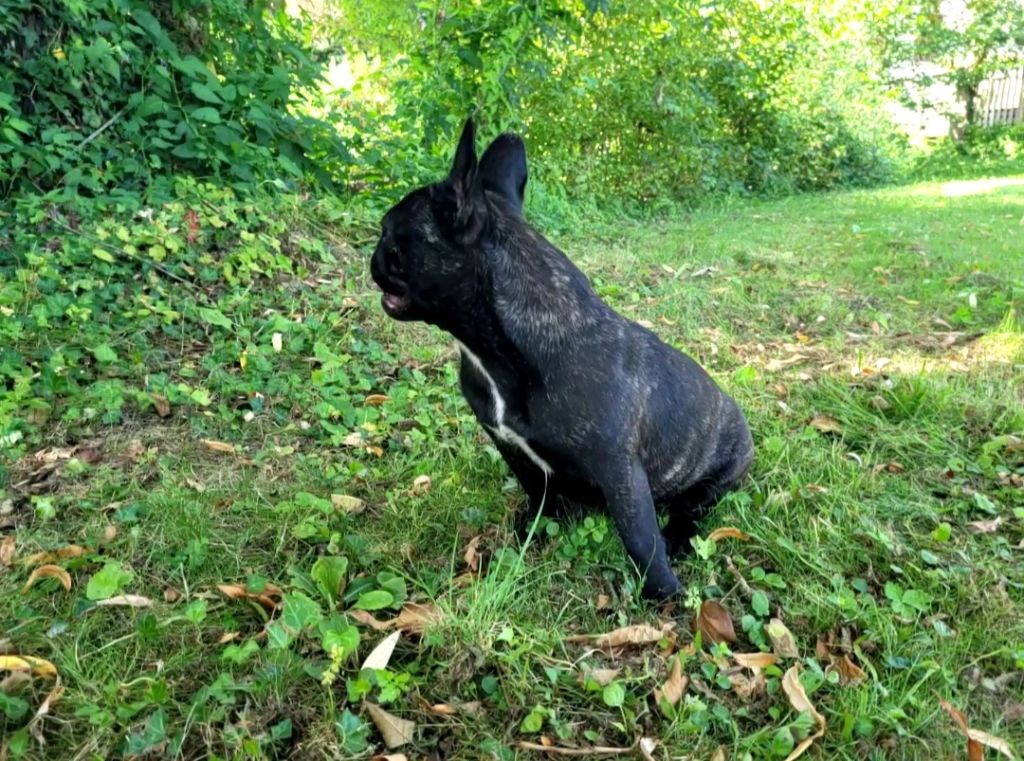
(503, 169)
(463, 176)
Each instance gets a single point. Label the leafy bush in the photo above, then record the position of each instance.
(105, 97)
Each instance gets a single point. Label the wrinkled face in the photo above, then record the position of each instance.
(425, 256)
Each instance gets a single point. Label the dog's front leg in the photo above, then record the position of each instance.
(631, 507)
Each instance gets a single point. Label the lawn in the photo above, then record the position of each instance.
(247, 481)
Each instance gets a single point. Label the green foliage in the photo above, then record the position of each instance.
(106, 97)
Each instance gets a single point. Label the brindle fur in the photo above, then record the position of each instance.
(620, 418)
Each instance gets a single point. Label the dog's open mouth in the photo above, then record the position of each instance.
(395, 304)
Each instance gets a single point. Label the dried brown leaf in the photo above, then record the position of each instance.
(746, 687)
(415, 617)
(126, 601)
(354, 439)
(783, 644)
(218, 446)
(638, 634)
(395, 731)
(277, 342)
(376, 399)
(826, 424)
(7, 550)
(109, 533)
(228, 637)
(603, 677)
(755, 661)
(38, 666)
(593, 750)
(269, 598)
(347, 504)
(390, 757)
(64, 553)
(719, 754)
(646, 746)
(367, 619)
(985, 527)
(798, 699)
(421, 485)
(161, 405)
(977, 740)
(849, 672)
(603, 602)
(675, 685)
(728, 532)
(48, 572)
(380, 656)
(470, 556)
(715, 624)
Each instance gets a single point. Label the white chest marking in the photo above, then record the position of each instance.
(499, 428)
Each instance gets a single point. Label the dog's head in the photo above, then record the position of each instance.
(429, 252)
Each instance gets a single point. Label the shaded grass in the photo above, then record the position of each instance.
(889, 312)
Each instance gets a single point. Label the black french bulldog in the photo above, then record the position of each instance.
(580, 401)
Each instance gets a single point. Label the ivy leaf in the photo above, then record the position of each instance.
(759, 602)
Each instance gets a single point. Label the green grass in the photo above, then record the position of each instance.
(891, 317)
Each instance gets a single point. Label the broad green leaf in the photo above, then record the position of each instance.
(206, 114)
(329, 575)
(104, 354)
(108, 581)
(759, 603)
(215, 317)
(614, 695)
(205, 92)
(338, 632)
(375, 600)
(299, 612)
(103, 255)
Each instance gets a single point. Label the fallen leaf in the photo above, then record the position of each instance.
(602, 677)
(719, 754)
(593, 750)
(985, 527)
(109, 533)
(976, 738)
(471, 557)
(783, 644)
(376, 399)
(161, 405)
(421, 485)
(126, 601)
(674, 686)
(366, 618)
(745, 687)
(7, 550)
(381, 655)
(171, 594)
(43, 711)
(228, 637)
(269, 598)
(774, 365)
(390, 757)
(218, 446)
(849, 672)
(755, 661)
(729, 532)
(639, 634)
(798, 699)
(64, 553)
(38, 666)
(645, 324)
(347, 504)
(646, 746)
(603, 602)
(48, 572)
(826, 424)
(277, 341)
(354, 439)
(714, 623)
(415, 617)
(396, 732)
